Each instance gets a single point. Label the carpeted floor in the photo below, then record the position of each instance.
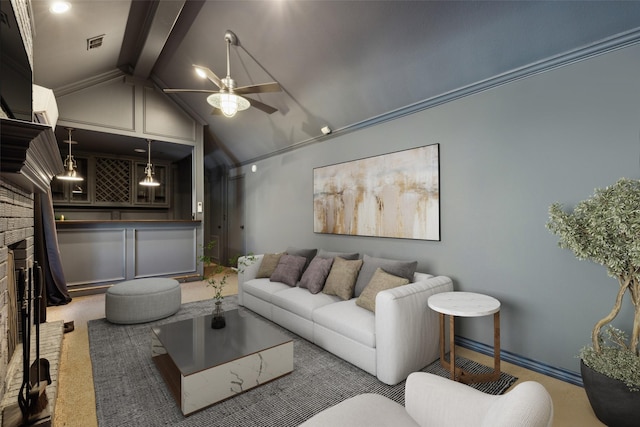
(130, 391)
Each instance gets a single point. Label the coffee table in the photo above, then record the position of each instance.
(203, 366)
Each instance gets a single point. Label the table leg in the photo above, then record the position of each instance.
(442, 360)
(452, 347)
(449, 365)
(458, 374)
(496, 345)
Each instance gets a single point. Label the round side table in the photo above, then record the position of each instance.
(466, 304)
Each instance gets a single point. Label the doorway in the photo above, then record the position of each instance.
(235, 223)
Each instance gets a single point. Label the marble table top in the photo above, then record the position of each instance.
(464, 304)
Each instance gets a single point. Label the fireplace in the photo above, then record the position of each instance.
(29, 158)
(16, 236)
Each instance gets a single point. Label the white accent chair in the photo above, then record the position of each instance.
(439, 402)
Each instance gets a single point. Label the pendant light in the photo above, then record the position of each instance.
(70, 167)
(149, 180)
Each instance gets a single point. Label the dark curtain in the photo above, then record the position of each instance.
(48, 252)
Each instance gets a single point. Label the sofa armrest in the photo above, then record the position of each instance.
(433, 400)
(248, 267)
(407, 333)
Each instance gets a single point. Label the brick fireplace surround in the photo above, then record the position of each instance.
(29, 158)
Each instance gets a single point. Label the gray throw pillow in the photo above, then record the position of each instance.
(268, 264)
(309, 254)
(288, 270)
(379, 282)
(316, 274)
(342, 278)
(344, 255)
(404, 269)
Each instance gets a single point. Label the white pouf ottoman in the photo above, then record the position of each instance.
(142, 300)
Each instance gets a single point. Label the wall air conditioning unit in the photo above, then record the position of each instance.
(45, 108)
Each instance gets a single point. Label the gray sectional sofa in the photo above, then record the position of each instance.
(371, 312)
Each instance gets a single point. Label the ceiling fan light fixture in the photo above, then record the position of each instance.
(228, 103)
(200, 72)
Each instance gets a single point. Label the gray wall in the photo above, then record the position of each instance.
(506, 154)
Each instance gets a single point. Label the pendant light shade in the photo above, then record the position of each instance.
(228, 103)
(149, 180)
(70, 168)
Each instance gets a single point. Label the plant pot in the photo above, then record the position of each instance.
(612, 401)
(217, 319)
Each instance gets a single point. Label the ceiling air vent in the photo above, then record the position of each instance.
(95, 42)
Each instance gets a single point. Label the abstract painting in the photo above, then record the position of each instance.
(391, 195)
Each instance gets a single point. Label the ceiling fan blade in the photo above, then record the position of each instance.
(260, 106)
(189, 90)
(211, 76)
(261, 88)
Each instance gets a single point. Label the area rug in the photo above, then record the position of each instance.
(130, 391)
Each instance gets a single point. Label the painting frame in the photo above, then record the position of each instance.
(394, 195)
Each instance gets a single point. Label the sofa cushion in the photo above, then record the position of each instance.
(342, 278)
(380, 281)
(349, 320)
(344, 255)
(268, 264)
(299, 301)
(404, 269)
(309, 254)
(316, 274)
(289, 269)
(263, 288)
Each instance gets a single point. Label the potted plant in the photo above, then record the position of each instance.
(217, 279)
(606, 229)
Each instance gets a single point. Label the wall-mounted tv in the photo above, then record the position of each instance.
(15, 70)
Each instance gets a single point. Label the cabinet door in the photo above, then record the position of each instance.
(113, 181)
(143, 193)
(160, 192)
(72, 191)
(157, 196)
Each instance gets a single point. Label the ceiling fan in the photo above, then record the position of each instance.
(227, 100)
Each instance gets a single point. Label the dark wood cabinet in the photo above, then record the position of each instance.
(112, 182)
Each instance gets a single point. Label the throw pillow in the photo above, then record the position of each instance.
(316, 274)
(309, 254)
(342, 278)
(269, 263)
(404, 269)
(379, 282)
(350, 256)
(288, 270)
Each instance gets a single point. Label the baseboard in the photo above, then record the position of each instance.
(558, 373)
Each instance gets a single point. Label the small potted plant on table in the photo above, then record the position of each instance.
(606, 229)
(217, 279)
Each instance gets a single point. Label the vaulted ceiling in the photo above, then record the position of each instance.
(340, 63)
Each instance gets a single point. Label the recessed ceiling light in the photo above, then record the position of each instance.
(59, 7)
(139, 150)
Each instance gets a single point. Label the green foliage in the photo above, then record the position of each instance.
(603, 228)
(606, 229)
(615, 360)
(218, 278)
